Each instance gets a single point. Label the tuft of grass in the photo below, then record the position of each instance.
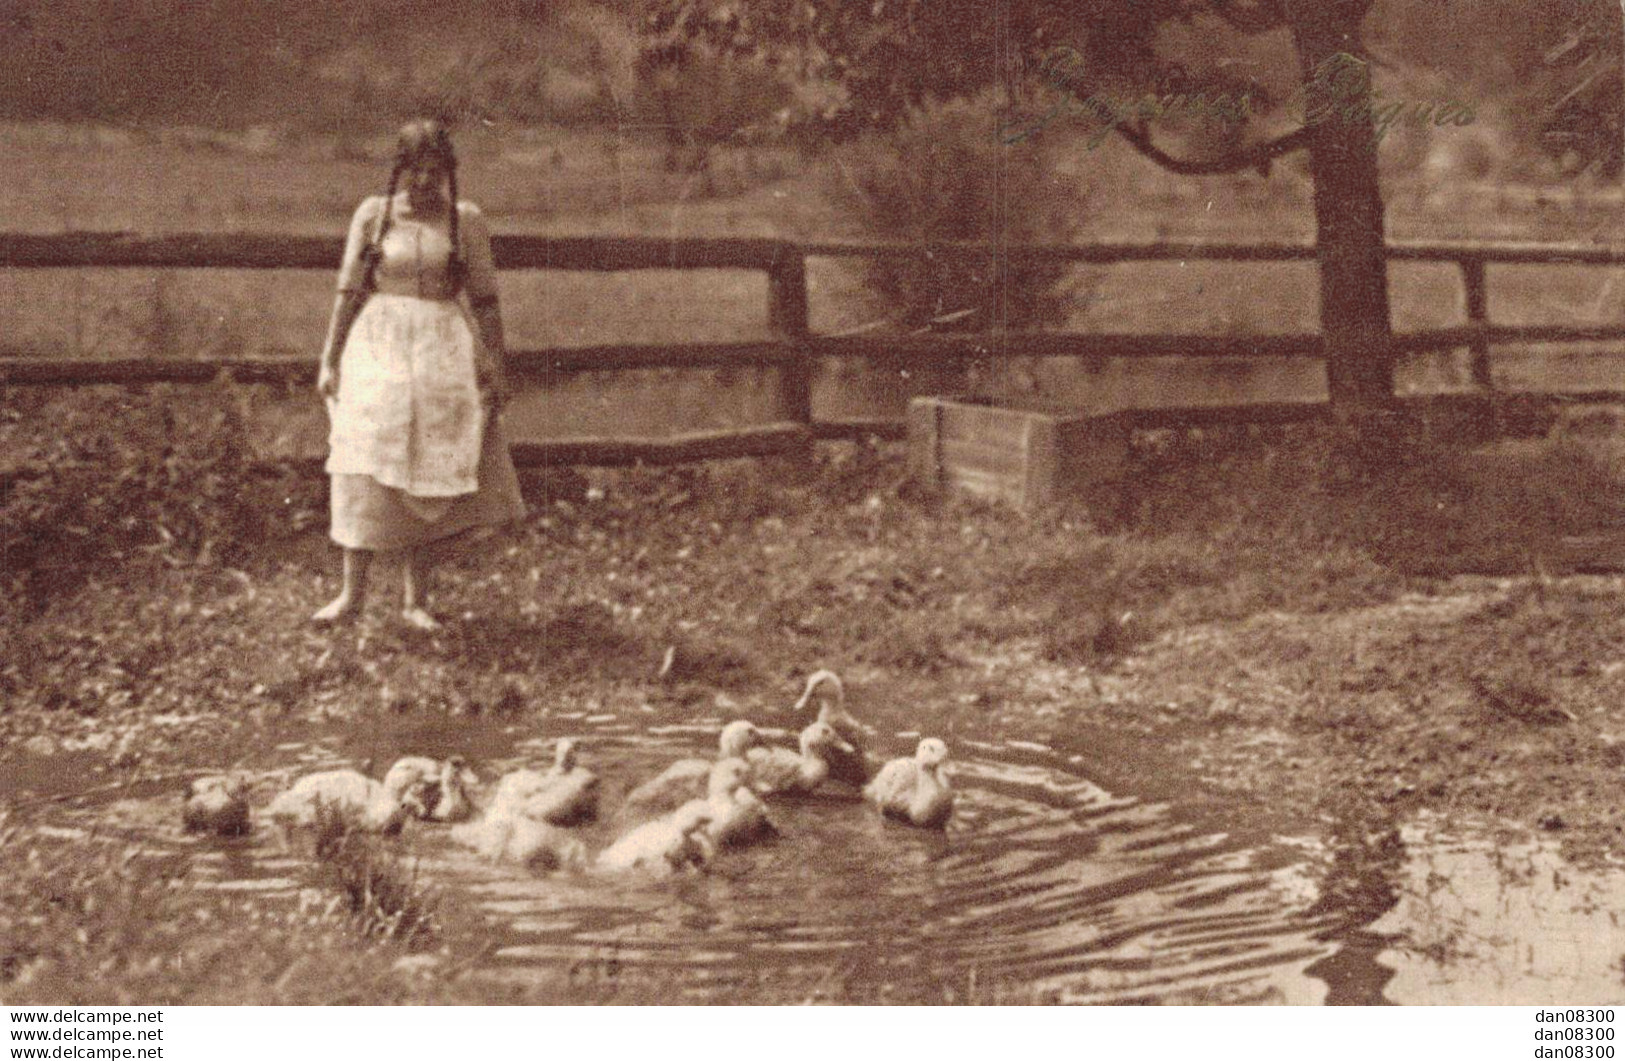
(382, 893)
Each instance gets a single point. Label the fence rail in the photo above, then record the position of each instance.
(793, 349)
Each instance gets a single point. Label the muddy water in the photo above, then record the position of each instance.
(1046, 885)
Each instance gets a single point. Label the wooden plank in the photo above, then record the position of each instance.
(770, 440)
(619, 253)
(767, 353)
(1471, 336)
(45, 371)
(181, 251)
(247, 250)
(1112, 251)
(940, 348)
(787, 316)
(856, 429)
(930, 350)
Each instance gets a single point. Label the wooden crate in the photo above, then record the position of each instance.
(1028, 457)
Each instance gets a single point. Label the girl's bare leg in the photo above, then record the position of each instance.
(415, 572)
(353, 593)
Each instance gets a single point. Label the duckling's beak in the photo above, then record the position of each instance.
(414, 800)
(846, 746)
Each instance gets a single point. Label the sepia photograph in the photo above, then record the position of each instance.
(837, 502)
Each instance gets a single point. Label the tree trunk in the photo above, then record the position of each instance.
(1349, 229)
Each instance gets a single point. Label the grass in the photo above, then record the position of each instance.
(93, 922)
(748, 576)
(382, 894)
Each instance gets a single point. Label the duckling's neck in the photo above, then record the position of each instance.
(833, 713)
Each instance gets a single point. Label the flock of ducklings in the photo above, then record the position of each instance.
(690, 811)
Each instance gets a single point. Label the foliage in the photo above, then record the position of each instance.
(942, 176)
(888, 57)
(124, 476)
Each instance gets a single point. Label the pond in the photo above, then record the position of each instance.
(1051, 883)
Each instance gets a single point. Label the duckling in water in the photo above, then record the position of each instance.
(217, 805)
(566, 794)
(852, 766)
(529, 842)
(738, 816)
(687, 779)
(443, 786)
(915, 790)
(780, 771)
(366, 802)
(664, 845)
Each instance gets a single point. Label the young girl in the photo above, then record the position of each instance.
(413, 390)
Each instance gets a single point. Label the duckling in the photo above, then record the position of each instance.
(687, 779)
(738, 815)
(567, 794)
(355, 795)
(851, 766)
(217, 805)
(776, 771)
(443, 784)
(664, 845)
(541, 846)
(528, 841)
(915, 790)
(452, 803)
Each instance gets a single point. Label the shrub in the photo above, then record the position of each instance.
(945, 176)
(112, 473)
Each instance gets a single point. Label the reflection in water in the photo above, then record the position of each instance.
(1484, 923)
(1045, 886)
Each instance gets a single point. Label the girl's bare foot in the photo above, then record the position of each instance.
(419, 619)
(339, 609)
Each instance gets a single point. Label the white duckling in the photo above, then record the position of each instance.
(566, 794)
(738, 815)
(664, 845)
(351, 793)
(443, 784)
(780, 771)
(217, 805)
(529, 842)
(688, 779)
(915, 790)
(853, 766)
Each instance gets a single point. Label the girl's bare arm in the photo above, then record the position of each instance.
(346, 306)
(494, 373)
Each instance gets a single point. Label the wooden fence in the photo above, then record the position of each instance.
(792, 350)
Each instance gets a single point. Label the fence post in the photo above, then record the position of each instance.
(787, 316)
(1478, 314)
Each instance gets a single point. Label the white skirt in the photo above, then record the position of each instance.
(408, 412)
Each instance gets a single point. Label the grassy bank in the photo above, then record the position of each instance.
(1270, 623)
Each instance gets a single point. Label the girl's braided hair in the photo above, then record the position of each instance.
(420, 139)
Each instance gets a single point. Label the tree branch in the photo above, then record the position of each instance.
(1256, 157)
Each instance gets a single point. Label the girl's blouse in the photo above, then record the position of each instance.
(417, 250)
